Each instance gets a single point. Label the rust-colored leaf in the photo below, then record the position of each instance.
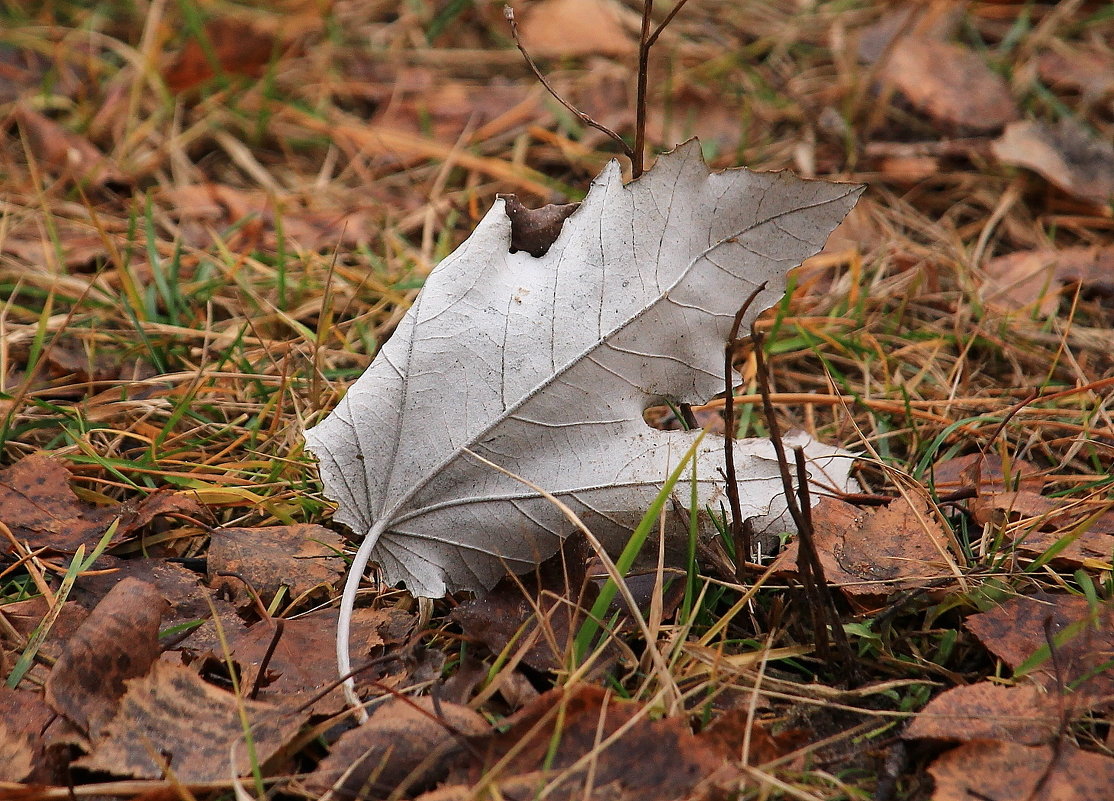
(984, 711)
(553, 736)
(874, 552)
(66, 153)
(171, 718)
(1078, 642)
(235, 47)
(25, 616)
(950, 84)
(119, 640)
(41, 509)
(569, 28)
(986, 474)
(557, 596)
(23, 719)
(1064, 154)
(300, 558)
(304, 662)
(406, 747)
(997, 771)
(1031, 279)
(1089, 71)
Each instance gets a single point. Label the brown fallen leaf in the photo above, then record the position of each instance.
(1064, 154)
(1089, 71)
(534, 230)
(23, 719)
(949, 83)
(986, 474)
(65, 153)
(1083, 640)
(737, 728)
(302, 663)
(870, 553)
(25, 616)
(179, 586)
(984, 711)
(406, 747)
(300, 558)
(41, 509)
(997, 771)
(119, 640)
(591, 740)
(238, 47)
(1035, 278)
(172, 718)
(570, 28)
(206, 211)
(558, 593)
(1082, 533)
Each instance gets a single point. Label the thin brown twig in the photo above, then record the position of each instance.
(664, 23)
(807, 551)
(740, 532)
(508, 13)
(644, 43)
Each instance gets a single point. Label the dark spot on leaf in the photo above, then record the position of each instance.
(535, 230)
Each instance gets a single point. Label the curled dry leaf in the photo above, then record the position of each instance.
(119, 640)
(552, 362)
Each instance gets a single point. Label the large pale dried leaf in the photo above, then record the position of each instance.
(997, 771)
(119, 640)
(173, 718)
(552, 361)
(1064, 154)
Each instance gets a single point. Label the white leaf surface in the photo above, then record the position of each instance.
(545, 365)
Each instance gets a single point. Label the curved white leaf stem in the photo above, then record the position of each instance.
(344, 621)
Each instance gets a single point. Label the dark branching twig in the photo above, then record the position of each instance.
(644, 43)
(740, 531)
(508, 13)
(646, 40)
(818, 595)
